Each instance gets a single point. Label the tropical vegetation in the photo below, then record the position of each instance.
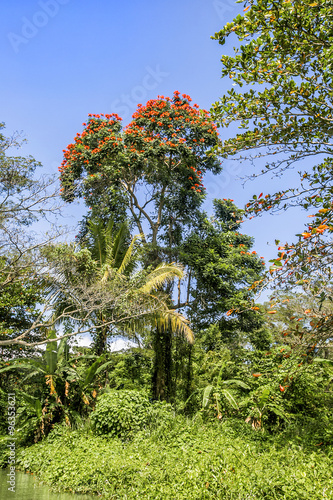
(219, 395)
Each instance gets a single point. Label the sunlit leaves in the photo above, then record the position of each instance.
(285, 67)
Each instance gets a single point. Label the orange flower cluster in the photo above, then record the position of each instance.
(163, 127)
(85, 147)
(197, 186)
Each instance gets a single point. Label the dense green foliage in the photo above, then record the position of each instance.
(222, 267)
(23, 199)
(182, 459)
(249, 388)
(120, 413)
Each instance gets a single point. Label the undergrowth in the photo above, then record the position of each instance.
(179, 459)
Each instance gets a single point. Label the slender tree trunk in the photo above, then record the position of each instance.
(162, 376)
(101, 341)
(189, 374)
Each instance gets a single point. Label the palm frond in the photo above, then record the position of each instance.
(98, 240)
(128, 255)
(114, 246)
(106, 273)
(164, 273)
(176, 322)
(108, 237)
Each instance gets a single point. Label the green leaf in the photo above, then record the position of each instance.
(51, 353)
(230, 398)
(206, 395)
(91, 372)
(264, 396)
(239, 383)
(323, 360)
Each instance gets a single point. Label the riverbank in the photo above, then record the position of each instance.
(181, 460)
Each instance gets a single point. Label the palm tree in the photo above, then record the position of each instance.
(116, 256)
(125, 300)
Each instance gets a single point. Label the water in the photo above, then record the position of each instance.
(27, 488)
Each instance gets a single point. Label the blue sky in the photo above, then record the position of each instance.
(63, 59)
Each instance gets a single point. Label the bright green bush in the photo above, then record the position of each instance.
(123, 413)
(120, 413)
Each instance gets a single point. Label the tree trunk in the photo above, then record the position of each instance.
(101, 341)
(189, 374)
(162, 377)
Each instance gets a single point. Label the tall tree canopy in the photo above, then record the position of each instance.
(152, 169)
(287, 56)
(222, 267)
(24, 198)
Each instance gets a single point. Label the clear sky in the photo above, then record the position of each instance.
(63, 59)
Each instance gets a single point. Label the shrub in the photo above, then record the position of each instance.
(120, 413)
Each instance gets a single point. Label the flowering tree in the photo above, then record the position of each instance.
(153, 167)
(152, 170)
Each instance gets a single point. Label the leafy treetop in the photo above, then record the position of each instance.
(221, 268)
(163, 152)
(288, 57)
